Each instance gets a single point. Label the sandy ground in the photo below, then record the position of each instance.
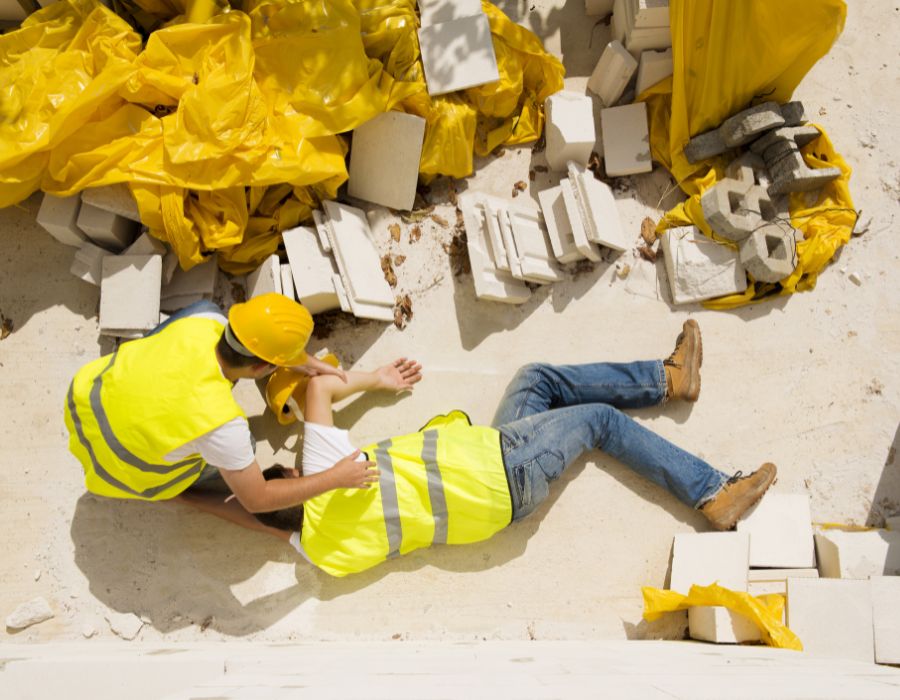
(809, 382)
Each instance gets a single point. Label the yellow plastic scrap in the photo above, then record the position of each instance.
(718, 71)
(764, 611)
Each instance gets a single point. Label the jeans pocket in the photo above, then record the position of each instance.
(522, 481)
(552, 463)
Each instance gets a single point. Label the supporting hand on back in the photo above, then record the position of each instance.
(350, 474)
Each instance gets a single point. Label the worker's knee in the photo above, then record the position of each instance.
(317, 388)
(532, 373)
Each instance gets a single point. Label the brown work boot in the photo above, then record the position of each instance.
(736, 497)
(683, 365)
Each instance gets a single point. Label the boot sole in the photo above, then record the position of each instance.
(692, 328)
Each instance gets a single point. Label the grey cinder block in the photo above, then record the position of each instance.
(705, 145)
(769, 253)
(744, 126)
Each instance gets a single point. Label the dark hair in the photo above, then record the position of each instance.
(289, 519)
(233, 358)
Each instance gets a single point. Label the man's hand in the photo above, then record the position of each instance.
(350, 474)
(400, 375)
(315, 366)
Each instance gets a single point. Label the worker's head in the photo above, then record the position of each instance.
(266, 332)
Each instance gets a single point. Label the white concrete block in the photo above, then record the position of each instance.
(129, 293)
(287, 281)
(88, 262)
(779, 574)
(437, 11)
(598, 210)
(569, 131)
(886, 618)
(710, 557)
(626, 140)
(720, 625)
(313, 270)
(758, 588)
(199, 280)
(577, 219)
(559, 228)
(113, 198)
(858, 554)
(266, 278)
(780, 529)
(30, 613)
(832, 617)
(612, 73)
(384, 159)
(344, 300)
(106, 229)
(179, 301)
(145, 244)
(598, 7)
(619, 23)
(649, 39)
(59, 217)
(532, 247)
(699, 268)
(495, 238)
(650, 13)
(509, 244)
(654, 66)
(170, 264)
(458, 54)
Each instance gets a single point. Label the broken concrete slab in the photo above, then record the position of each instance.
(532, 247)
(313, 270)
(106, 229)
(832, 617)
(698, 268)
(598, 210)
(720, 625)
(654, 66)
(59, 217)
(710, 557)
(437, 11)
(626, 140)
(780, 529)
(287, 281)
(748, 124)
(858, 554)
(705, 145)
(559, 228)
(458, 54)
(33, 612)
(384, 160)
(569, 130)
(769, 254)
(129, 293)
(88, 262)
(611, 75)
(145, 244)
(266, 278)
(886, 618)
(577, 220)
(113, 198)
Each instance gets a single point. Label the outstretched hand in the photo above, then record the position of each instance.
(400, 375)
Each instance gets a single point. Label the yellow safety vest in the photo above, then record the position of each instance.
(445, 484)
(127, 410)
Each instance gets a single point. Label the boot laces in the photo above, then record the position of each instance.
(670, 360)
(737, 476)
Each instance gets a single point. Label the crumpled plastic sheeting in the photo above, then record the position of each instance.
(230, 131)
(718, 71)
(764, 611)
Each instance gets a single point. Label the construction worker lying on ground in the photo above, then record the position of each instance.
(455, 483)
(148, 420)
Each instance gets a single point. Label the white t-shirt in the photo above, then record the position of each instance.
(230, 446)
(323, 446)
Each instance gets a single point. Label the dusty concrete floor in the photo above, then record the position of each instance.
(809, 382)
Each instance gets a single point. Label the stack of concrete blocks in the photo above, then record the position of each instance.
(129, 294)
(741, 128)
(362, 290)
(612, 73)
(107, 228)
(707, 558)
(384, 159)
(456, 45)
(314, 273)
(626, 140)
(569, 131)
(189, 286)
(698, 268)
(641, 25)
(780, 149)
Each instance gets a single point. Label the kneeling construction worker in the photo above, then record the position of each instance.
(455, 483)
(157, 416)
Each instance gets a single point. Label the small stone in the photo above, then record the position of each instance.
(88, 631)
(30, 613)
(855, 278)
(37, 575)
(125, 625)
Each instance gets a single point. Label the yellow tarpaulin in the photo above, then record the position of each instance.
(728, 56)
(230, 131)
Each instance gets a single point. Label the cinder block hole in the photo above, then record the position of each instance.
(735, 201)
(772, 245)
(767, 210)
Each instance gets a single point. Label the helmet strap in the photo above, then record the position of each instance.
(236, 344)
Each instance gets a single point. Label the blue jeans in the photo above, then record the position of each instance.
(551, 414)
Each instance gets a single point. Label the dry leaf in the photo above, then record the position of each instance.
(531, 175)
(647, 253)
(623, 273)
(388, 270)
(6, 327)
(403, 312)
(521, 185)
(395, 232)
(648, 231)
(439, 220)
(415, 234)
(399, 260)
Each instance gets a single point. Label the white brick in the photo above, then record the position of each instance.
(886, 618)
(59, 217)
(532, 247)
(129, 293)
(626, 140)
(858, 554)
(287, 281)
(437, 11)
(113, 198)
(576, 213)
(832, 617)
(758, 588)
(699, 268)
(654, 66)
(313, 270)
(650, 13)
(720, 625)
(619, 23)
(597, 207)
(266, 278)
(384, 159)
(189, 286)
(559, 228)
(710, 557)
(612, 73)
(88, 262)
(106, 229)
(780, 574)
(780, 529)
(649, 39)
(569, 131)
(145, 244)
(598, 7)
(458, 54)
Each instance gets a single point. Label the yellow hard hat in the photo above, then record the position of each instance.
(272, 327)
(283, 384)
